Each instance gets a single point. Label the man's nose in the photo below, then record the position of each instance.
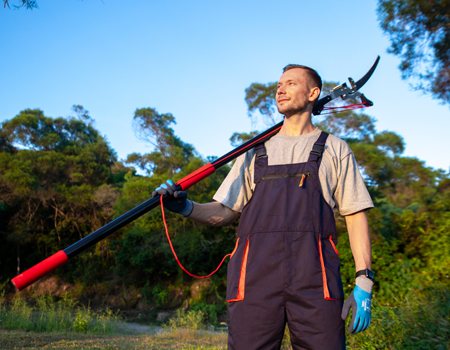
(281, 90)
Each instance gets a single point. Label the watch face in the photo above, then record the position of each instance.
(370, 274)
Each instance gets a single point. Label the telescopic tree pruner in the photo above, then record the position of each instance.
(63, 256)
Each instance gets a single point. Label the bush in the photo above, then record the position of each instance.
(211, 312)
(421, 322)
(48, 315)
(192, 319)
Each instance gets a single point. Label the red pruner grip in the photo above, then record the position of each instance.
(196, 176)
(40, 270)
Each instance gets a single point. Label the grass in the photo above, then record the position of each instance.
(421, 322)
(186, 330)
(47, 315)
(71, 340)
(44, 323)
(178, 339)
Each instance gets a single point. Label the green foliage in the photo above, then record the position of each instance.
(48, 315)
(419, 322)
(420, 36)
(192, 319)
(239, 138)
(261, 98)
(56, 187)
(210, 311)
(158, 293)
(170, 154)
(81, 321)
(286, 342)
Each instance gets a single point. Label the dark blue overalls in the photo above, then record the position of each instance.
(286, 265)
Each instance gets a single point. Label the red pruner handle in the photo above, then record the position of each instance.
(196, 176)
(40, 270)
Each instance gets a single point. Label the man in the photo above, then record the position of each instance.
(285, 267)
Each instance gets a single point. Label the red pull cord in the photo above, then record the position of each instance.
(175, 255)
(341, 108)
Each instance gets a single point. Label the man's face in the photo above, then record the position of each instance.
(294, 92)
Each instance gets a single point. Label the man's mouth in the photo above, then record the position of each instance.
(283, 100)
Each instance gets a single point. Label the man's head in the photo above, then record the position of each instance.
(298, 89)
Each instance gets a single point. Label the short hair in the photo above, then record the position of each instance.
(313, 75)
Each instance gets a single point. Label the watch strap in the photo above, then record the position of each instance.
(366, 272)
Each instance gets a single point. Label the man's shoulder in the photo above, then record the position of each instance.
(337, 147)
(245, 159)
(334, 140)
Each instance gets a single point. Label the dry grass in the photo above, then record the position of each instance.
(59, 340)
(178, 339)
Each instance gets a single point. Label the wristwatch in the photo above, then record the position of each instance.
(368, 273)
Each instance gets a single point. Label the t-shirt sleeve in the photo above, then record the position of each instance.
(351, 195)
(237, 188)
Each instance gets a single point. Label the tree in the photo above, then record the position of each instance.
(238, 138)
(170, 154)
(261, 98)
(83, 114)
(55, 183)
(419, 32)
(28, 4)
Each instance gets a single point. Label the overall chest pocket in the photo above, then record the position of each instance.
(300, 175)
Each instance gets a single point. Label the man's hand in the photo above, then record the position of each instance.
(360, 303)
(176, 201)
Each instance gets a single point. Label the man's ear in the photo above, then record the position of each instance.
(314, 93)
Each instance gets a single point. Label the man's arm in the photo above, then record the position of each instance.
(358, 231)
(213, 214)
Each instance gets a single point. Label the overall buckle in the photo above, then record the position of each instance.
(261, 152)
(317, 149)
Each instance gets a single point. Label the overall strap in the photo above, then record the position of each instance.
(261, 162)
(316, 153)
(260, 151)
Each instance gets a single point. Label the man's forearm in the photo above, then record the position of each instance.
(213, 214)
(358, 231)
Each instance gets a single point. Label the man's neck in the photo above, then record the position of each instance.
(297, 124)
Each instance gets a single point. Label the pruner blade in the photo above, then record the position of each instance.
(359, 84)
(352, 83)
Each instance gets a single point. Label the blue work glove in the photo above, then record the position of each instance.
(360, 302)
(175, 201)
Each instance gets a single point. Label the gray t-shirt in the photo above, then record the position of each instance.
(342, 185)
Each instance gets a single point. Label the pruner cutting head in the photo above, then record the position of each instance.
(345, 92)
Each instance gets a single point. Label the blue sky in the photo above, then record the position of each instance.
(194, 59)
